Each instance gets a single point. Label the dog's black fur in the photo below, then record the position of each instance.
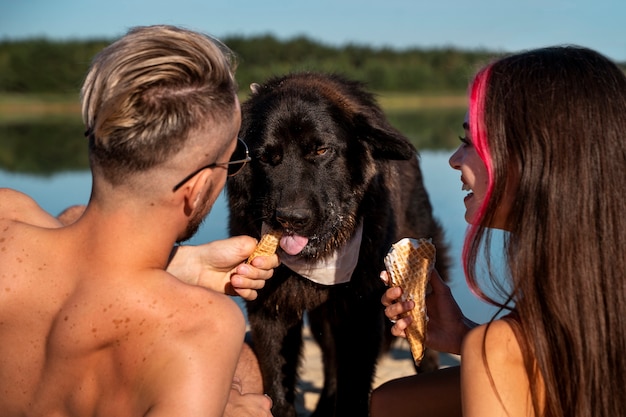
(324, 159)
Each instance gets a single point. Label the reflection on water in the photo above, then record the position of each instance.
(430, 129)
(55, 144)
(43, 146)
(26, 165)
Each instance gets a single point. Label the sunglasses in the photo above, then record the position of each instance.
(238, 159)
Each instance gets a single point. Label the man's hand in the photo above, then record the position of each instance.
(220, 265)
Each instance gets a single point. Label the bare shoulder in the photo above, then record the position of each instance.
(198, 316)
(197, 355)
(17, 206)
(493, 377)
(193, 311)
(497, 339)
(12, 202)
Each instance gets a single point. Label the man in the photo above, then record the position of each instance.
(90, 321)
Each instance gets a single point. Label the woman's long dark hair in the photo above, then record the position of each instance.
(554, 119)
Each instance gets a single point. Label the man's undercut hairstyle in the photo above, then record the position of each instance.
(145, 93)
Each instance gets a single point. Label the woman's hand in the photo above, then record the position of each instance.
(447, 326)
(396, 310)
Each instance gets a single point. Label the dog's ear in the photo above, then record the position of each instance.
(385, 141)
(238, 193)
(255, 88)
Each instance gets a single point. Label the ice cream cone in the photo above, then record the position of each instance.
(409, 263)
(267, 245)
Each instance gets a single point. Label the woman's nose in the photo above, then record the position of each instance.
(455, 159)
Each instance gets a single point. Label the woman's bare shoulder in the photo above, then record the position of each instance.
(499, 341)
(493, 376)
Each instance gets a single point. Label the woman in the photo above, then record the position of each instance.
(545, 161)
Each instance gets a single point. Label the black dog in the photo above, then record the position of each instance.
(343, 185)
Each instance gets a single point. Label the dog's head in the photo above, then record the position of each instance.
(318, 142)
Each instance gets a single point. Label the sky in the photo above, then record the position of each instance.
(499, 25)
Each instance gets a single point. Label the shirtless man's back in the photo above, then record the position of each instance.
(87, 331)
(91, 324)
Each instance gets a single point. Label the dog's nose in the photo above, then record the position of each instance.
(293, 218)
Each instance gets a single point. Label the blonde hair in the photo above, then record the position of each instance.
(147, 91)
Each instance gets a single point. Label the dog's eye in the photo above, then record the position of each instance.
(321, 151)
(270, 156)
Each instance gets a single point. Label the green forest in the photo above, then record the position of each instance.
(42, 66)
(422, 91)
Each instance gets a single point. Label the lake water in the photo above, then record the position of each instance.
(56, 191)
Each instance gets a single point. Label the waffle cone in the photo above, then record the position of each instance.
(267, 245)
(409, 263)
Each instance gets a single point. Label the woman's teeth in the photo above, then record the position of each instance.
(466, 187)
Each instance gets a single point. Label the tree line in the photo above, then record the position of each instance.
(40, 65)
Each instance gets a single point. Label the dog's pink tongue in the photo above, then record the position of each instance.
(293, 244)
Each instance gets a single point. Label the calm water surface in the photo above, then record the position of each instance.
(56, 192)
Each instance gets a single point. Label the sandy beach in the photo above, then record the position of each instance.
(395, 364)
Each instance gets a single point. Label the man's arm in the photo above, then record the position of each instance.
(220, 265)
(217, 265)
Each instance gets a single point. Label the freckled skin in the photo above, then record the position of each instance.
(82, 330)
(92, 324)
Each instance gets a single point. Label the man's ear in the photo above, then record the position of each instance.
(196, 188)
